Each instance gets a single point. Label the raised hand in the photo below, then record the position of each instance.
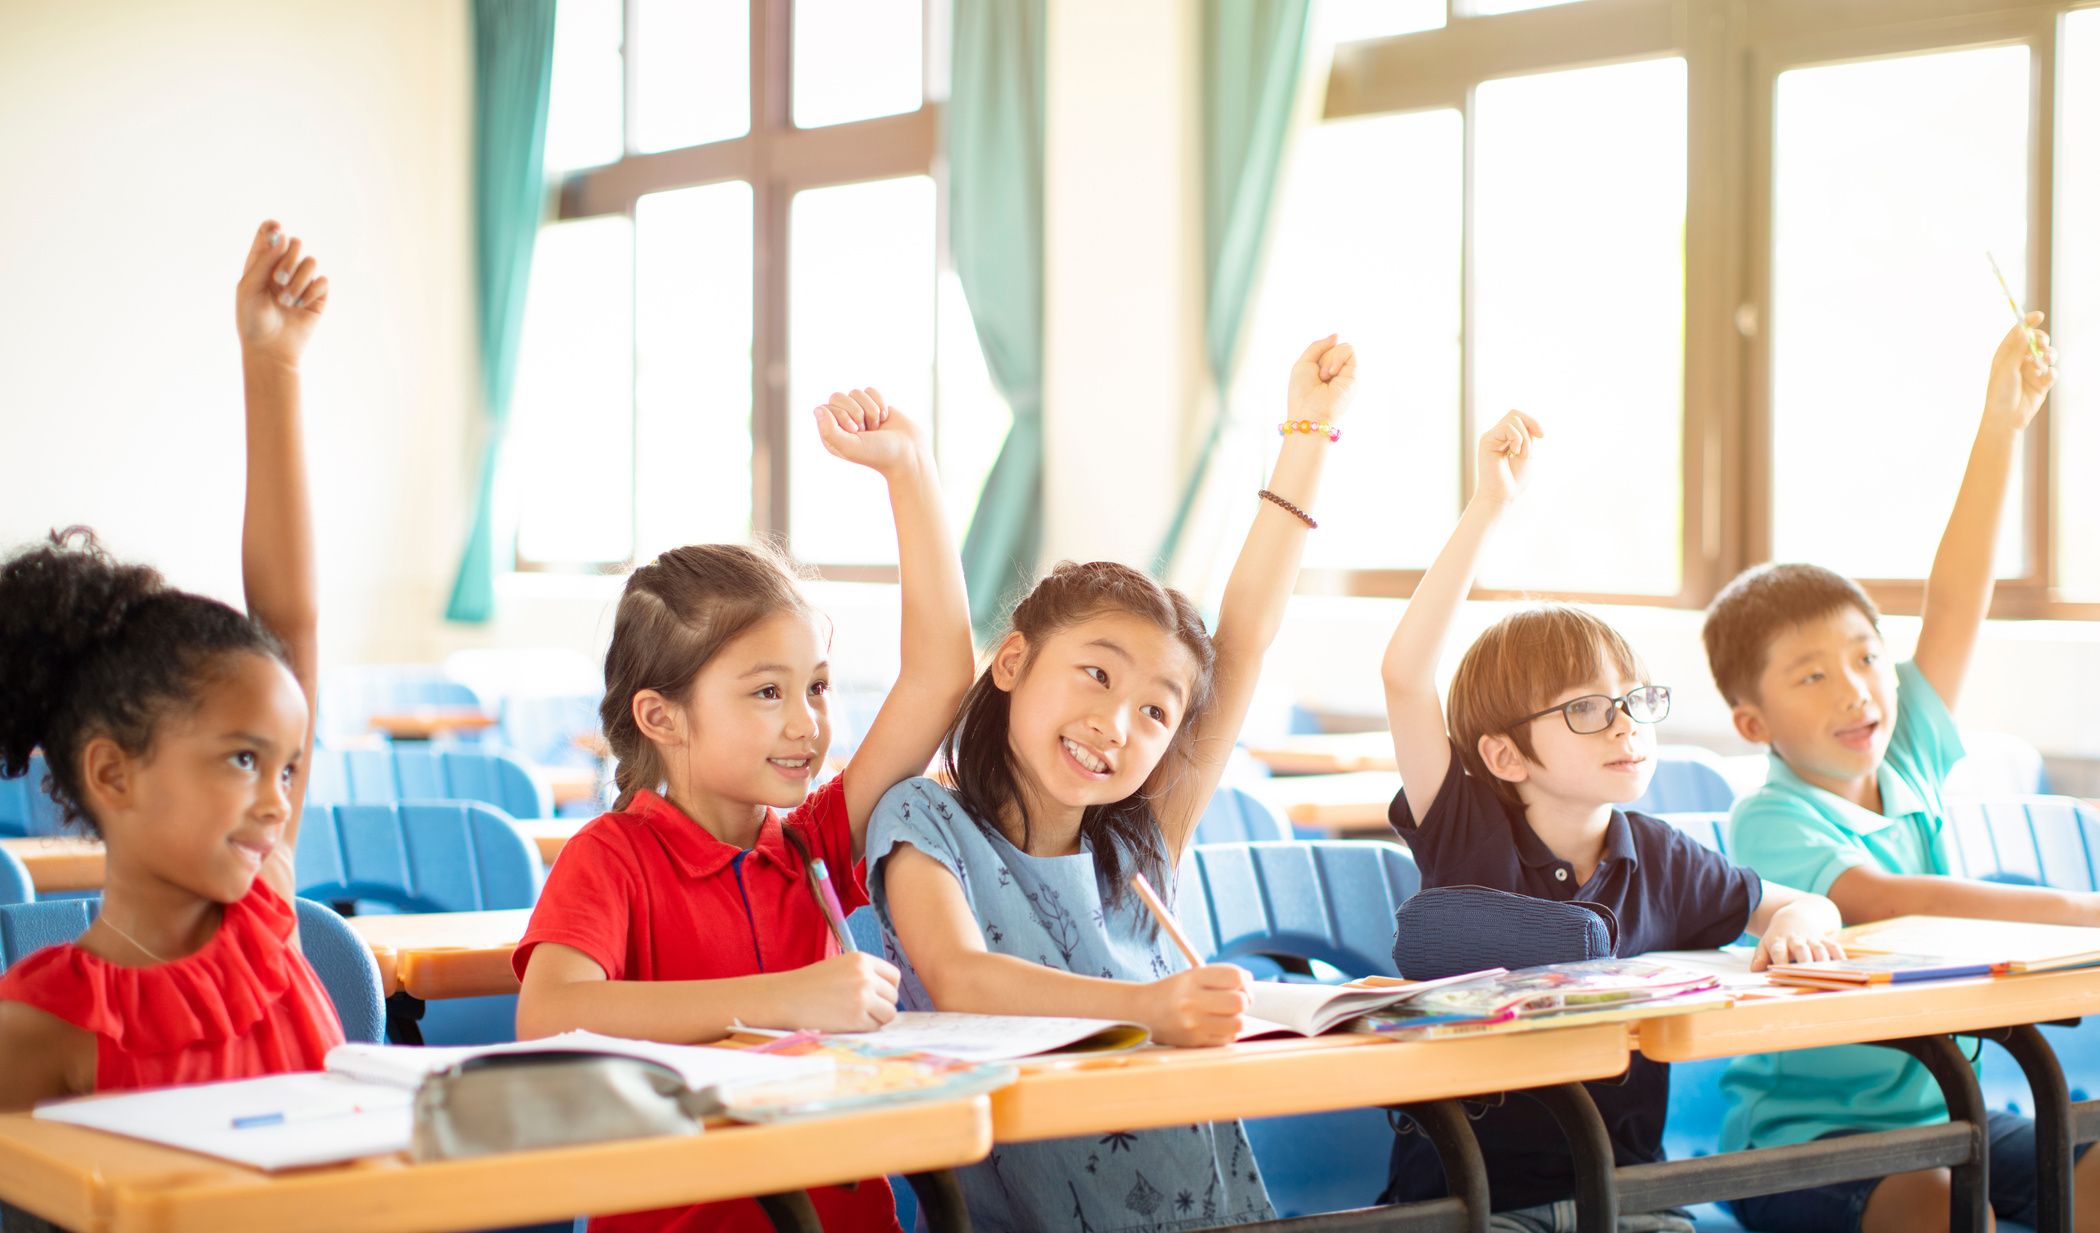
(1504, 460)
(2018, 384)
(280, 297)
(1323, 381)
(859, 426)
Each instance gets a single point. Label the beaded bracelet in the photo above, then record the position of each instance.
(1308, 427)
(1289, 508)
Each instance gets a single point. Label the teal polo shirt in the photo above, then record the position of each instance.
(1796, 834)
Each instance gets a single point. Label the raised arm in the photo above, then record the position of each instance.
(936, 660)
(1421, 748)
(277, 304)
(1958, 591)
(1323, 382)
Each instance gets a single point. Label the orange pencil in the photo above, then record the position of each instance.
(1165, 918)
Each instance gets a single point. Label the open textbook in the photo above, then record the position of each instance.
(363, 1104)
(2009, 946)
(1289, 1009)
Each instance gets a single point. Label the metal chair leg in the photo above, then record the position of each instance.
(791, 1212)
(941, 1198)
(1596, 1177)
(1465, 1170)
(2054, 1202)
(1970, 1202)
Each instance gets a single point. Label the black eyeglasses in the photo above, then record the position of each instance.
(1593, 712)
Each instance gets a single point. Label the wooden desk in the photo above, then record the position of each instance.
(550, 835)
(570, 783)
(1355, 801)
(445, 954)
(60, 862)
(90, 1182)
(1269, 1078)
(1328, 753)
(425, 722)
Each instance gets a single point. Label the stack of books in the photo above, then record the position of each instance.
(1907, 949)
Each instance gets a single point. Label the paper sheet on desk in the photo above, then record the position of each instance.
(1001, 1038)
(325, 1118)
(1731, 965)
(698, 1065)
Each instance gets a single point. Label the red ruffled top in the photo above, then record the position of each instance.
(245, 1004)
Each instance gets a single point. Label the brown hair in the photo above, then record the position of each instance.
(676, 614)
(1517, 667)
(1760, 604)
(979, 758)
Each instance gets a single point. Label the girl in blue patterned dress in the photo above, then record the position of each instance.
(1085, 752)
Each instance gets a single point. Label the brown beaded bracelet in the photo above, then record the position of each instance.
(1289, 508)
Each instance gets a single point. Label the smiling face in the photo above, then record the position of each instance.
(210, 800)
(1094, 708)
(1610, 767)
(1826, 700)
(757, 721)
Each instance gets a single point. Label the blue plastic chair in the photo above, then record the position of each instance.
(1234, 816)
(15, 886)
(418, 771)
(26, 928)
(350, 697)
(2029, 840)
(347, 970)
(1326, 900)
(1709, 829)
(1687, 780)
(24, 808)
(1997, 764)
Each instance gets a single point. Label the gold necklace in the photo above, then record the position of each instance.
(134, 941)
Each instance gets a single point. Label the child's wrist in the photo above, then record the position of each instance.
(264, 358)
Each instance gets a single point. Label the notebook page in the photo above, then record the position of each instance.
(273, 1122)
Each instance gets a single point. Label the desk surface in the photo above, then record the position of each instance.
(1355, 800)
(425, 722)
(1327, 753)
(1886, 1012)
(1268, 1078)
(91, 1182)
(60, 862)
(445, 954)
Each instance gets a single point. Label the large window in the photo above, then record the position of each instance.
(748, 221)
(1734, 257)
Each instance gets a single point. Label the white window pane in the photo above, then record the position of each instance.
(572, 413)
(1487, 8)
(1366, 244)
(692, 381)
(1339, 21)
(973, 417)
(860, 312)
(1579, 217)
(856, 59)
(583, 107)
(2074, 406)
(1890, 181)
(692, 72)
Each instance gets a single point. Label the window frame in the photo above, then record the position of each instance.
(1734, 52)
(778, 160)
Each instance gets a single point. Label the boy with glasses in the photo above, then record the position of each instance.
(1550, 727)
(1852, 809)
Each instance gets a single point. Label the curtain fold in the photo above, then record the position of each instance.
(1250, 56)
(995, 228)
(513, 70)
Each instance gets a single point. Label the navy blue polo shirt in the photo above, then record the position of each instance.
(1668, 893)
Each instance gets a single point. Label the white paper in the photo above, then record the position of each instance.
(700, 1066)
(984, 1038)
(1731, 965)
(327, 1118)
(1309, 1010)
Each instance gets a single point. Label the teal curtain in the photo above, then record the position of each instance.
(1250, 56)
(513, 66)
(995, 230)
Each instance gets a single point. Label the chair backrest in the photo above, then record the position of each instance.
(24, 808)
(350, 697)
(1330, 900)
(15, 884)
(347, 970)
(2028, 840)
(1234, 816)
(1997, 764)
(1687, 779)
(418, 856)
(420, 772)
(26, 928)
(1710, 829)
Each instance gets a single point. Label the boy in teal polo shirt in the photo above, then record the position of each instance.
(1852, 810)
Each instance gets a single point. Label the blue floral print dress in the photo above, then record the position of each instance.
(1052, 910)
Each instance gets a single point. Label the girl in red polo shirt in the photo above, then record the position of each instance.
(176, 729)
(690, 907)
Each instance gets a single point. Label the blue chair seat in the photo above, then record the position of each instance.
(418, 771)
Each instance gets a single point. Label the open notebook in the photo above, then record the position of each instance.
(1287, 1009)
(363, 1104)
(2009, 946)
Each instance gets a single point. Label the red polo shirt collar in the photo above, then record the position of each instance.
(695, 849)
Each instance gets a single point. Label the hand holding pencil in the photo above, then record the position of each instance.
(1201, 1006)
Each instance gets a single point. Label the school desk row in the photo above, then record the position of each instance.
(90, 1182)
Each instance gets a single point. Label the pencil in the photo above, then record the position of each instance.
(1165, 918)
(2019, 318)
(834, 911)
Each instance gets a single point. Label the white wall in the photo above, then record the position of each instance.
(142, 144)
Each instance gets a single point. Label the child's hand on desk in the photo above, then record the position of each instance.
(1201, 1006)
(1793, 941)
(1504, 459)
(845, 993)
(860, 427)
(1323, 381)
(2018, 384)
(280, 297)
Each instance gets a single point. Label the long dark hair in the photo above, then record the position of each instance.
(91, 647)
(677, 613)
(979, 758)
